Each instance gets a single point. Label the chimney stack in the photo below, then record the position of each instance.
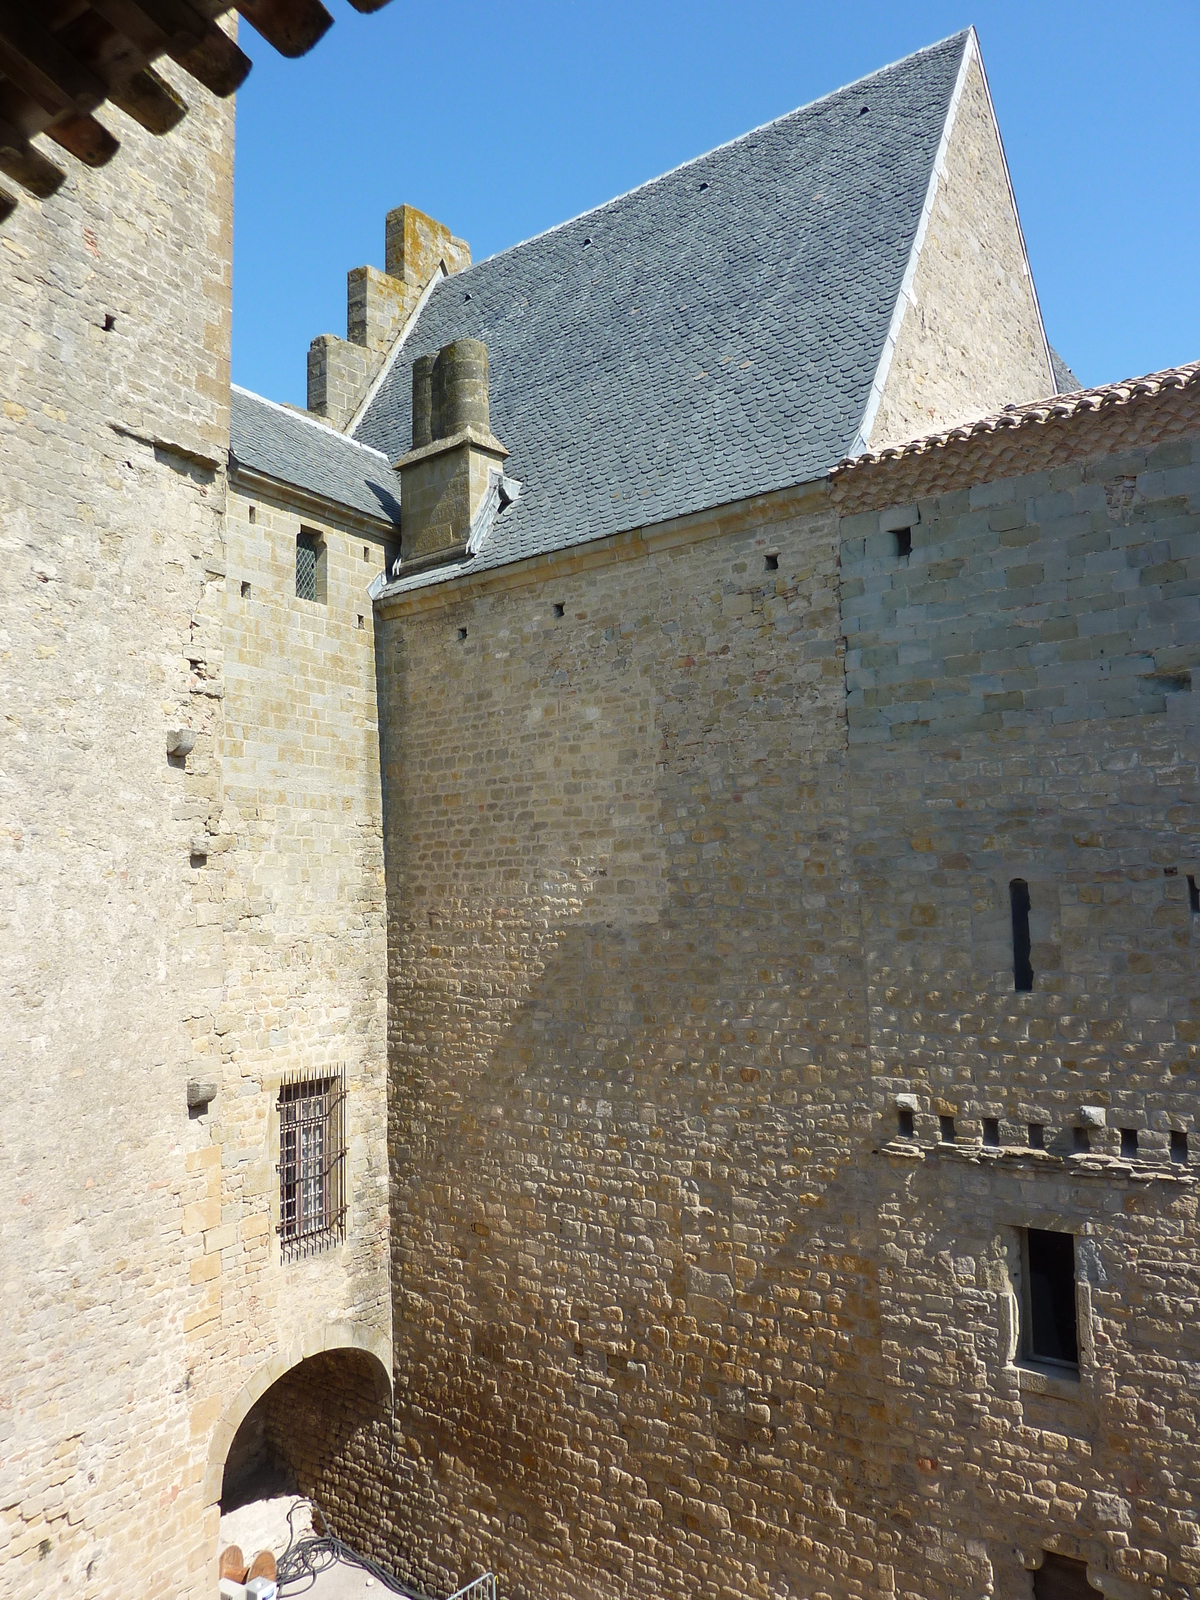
(446, 476)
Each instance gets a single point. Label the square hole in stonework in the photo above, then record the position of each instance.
(462, 633)
(1129, 1143)
(772, 563)
(1037, 1136)
(1179, 1145)
(245, 590)
(906, 1126)
(946, 1130)
(362, 621)
(991, 1132)
(903, 538)
(559, 608)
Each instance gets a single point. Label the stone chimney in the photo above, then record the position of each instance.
(446, 477)
(378, 304)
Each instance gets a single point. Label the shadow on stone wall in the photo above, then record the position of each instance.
(311, 1434)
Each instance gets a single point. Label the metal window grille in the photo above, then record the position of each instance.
(312, 1164)
(306, 567)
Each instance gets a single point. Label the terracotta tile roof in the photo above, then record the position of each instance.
(1024, 439)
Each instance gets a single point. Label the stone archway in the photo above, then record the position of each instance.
(319, 1411)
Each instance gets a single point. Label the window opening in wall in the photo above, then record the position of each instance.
(366, 552)
(946, 1130)
(1080, 1139)
(245, 590)
(1193, 895)
(312, 1163)
(462, 633)
(559, 608)
(1049, 1318)
(906, 1123)
(1179, 1145)
(772, 563)
(1018, 897)
(310, 566)
(1129, 1143)
(903, 538)
(1037, 1136)
(253, 510)
(1060, 1578)
(991, 1131)
(362, 621)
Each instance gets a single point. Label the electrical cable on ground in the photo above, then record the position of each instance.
(310, 1554)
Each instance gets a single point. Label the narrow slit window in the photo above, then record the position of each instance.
(903, 538)
(946, 1129)
(310, 566)
(991, 1132)
(1193, 894)
(1050, 1319)
(906, 1125)
(1179, 1145)
(1037, 1136)
(312, 1162)
(1129, 1143)
(1018, 897)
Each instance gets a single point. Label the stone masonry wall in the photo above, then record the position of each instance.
(161, 923)
(1019, 706)
(112, 974)
(971, 340)
(637, 1342)
(677, 914)
(305, 949)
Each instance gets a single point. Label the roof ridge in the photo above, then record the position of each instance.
(727, 144)
(1047, 409)
(295, 415)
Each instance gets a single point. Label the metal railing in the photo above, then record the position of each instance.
(478, 1589)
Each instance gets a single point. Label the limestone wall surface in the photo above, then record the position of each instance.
(162, 925)
(112, 972)
(971, 338)
(637, 1345)
(1020, 707)
(679, 908)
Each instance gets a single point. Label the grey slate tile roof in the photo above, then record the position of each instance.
(1065, 381)
(291, 448)
(711, 335)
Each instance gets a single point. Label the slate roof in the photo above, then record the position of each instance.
(711, 335)
(1065, 380)
(294, 449)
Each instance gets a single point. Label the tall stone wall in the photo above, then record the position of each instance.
(637, 1345)
(1020, 707)
(114, 337)
(214, 916)
(678, 912)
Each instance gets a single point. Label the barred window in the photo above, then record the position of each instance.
(310, 565)
(312, 1163)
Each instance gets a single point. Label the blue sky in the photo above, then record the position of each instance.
(504, 119)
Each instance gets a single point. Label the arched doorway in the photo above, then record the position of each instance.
(317, 1424)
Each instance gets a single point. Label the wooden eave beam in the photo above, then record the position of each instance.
(61, 59)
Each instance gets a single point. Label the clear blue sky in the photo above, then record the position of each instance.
(504, 119)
